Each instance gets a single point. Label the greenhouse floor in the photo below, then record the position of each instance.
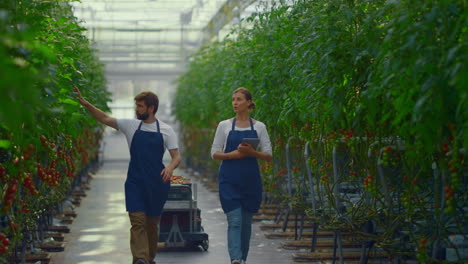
(100, 232)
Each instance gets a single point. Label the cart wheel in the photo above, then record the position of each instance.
(205, 245)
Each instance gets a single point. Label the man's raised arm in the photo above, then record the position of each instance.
(95, 112)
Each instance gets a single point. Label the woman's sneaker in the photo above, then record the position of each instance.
(236, 261)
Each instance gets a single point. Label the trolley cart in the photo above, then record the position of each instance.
(180, 224)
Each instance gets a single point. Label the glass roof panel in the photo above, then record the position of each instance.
(144, 40)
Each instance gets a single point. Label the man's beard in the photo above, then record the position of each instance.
(143, 116)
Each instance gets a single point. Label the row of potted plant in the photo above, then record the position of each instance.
(45, 139)
(383, 81)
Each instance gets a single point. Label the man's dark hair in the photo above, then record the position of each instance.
(150, 99)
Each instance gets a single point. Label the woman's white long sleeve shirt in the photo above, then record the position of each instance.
(222, 132)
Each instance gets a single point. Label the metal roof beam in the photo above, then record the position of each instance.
(137, 29)
(119, 43)
(137, 52)
(124, 74)
(229, 10)
(107, 61)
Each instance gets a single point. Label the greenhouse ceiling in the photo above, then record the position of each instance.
(155, 37)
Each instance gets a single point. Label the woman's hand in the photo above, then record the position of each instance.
(246, 149)
(236, 154)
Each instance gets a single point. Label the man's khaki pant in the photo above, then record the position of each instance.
(144, 236)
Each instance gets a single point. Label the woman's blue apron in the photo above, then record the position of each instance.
(144, 189)
(240, 185)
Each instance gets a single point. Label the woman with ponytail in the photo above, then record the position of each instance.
(240, 185)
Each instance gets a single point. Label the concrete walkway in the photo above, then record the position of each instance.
(100, 233)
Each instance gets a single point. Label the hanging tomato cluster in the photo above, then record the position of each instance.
(455, 164)
(83, 143)
(69, 162)
(24, 207)
(4, 243)
(2, 173)
(49, 174)
(370, 184)
(346, 134)
(28, 152)
(12, 188)
(449, 195)
(27, 182)
(266, 167)
(421, 254)
(390, 156)
(325, 174)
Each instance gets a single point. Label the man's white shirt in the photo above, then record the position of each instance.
(129, 126)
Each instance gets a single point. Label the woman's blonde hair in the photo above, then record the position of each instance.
(247, 94)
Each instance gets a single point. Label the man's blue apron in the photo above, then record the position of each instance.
(144, 189)
(240, 184)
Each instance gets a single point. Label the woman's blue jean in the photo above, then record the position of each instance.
(239, 231)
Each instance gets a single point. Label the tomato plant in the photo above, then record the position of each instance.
(386, 79)
(45, 139)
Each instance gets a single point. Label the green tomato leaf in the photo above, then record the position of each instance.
(69, 101)
(5, 143)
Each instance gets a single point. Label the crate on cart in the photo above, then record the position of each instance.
(180, 224)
